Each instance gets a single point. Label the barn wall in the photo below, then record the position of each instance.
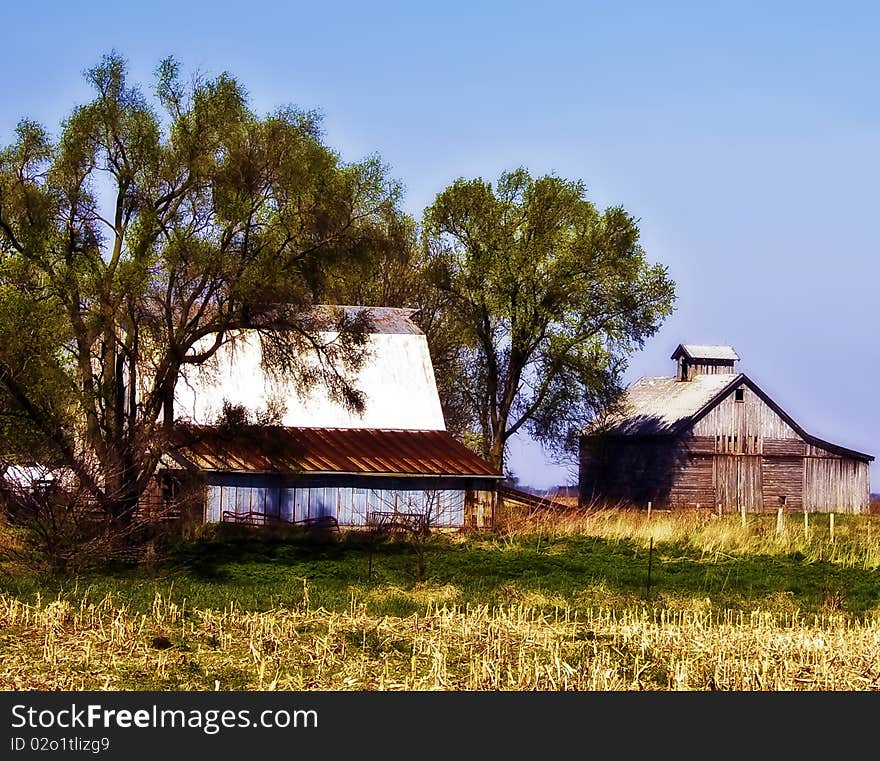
(738, 483)
(743, 420)
(479, 508)
(449, 502)
(633, 472)
(783, 480)
(616, 471)
(173, 497)
(836, 484)
(692, 486)
(784, 448)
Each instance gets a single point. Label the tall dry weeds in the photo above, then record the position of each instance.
(856, 541)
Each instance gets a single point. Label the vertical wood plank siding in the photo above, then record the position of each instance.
(748, 418)
(738, 483)
(705, 368)
(448, 506)
(835, 484)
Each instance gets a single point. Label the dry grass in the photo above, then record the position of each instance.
(856, 540)
(102, 645)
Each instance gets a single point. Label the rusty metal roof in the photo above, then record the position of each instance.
(362, 451)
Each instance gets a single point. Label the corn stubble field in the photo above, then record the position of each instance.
(549, 603)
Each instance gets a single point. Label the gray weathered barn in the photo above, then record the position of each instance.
(710, 438)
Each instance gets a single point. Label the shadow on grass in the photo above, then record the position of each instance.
(484, 569)
(259, 572)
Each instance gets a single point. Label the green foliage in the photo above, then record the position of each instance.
(142, 238)
(548, 296)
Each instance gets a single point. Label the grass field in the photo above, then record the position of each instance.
(552, 603)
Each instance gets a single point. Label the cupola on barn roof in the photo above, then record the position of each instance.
(705, 351)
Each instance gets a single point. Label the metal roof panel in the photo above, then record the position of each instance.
(281, 449)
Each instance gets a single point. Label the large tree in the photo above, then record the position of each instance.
(549, 296)
(141, 238)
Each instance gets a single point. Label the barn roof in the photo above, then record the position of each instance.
(396, 377)
(360, 451)
(666, 406)
(705, 351)
(655, 406)
(387, 320)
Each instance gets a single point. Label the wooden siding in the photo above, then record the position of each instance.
(449, 503)
(813, 450)
(692, 486)
(703, 367)
(630, 472)
(745, 420)
(738, 483)
(784, 448)
(633, 472)
(836, 484)
(479, 508)
(783, 477)
(690, 473)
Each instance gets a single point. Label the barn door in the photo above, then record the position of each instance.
(738, 483)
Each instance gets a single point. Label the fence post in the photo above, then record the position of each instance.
(719, 509)
(806, 525)
(831, 525)
(649, 510)
(778, 520)
(742, 510)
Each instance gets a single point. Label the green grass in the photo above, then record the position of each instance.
(575, 570)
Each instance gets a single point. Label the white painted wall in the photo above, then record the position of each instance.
(397, 378)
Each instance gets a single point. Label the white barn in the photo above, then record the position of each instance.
(323, 462)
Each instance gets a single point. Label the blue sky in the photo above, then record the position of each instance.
(745, 137)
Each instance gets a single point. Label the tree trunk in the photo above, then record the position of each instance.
(496, 451)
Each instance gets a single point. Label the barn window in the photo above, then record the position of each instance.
(740, 394)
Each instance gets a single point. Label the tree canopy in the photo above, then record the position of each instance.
(549, 297)
(142, 237)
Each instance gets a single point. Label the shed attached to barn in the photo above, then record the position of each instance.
(710, 438)
(355, 477)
